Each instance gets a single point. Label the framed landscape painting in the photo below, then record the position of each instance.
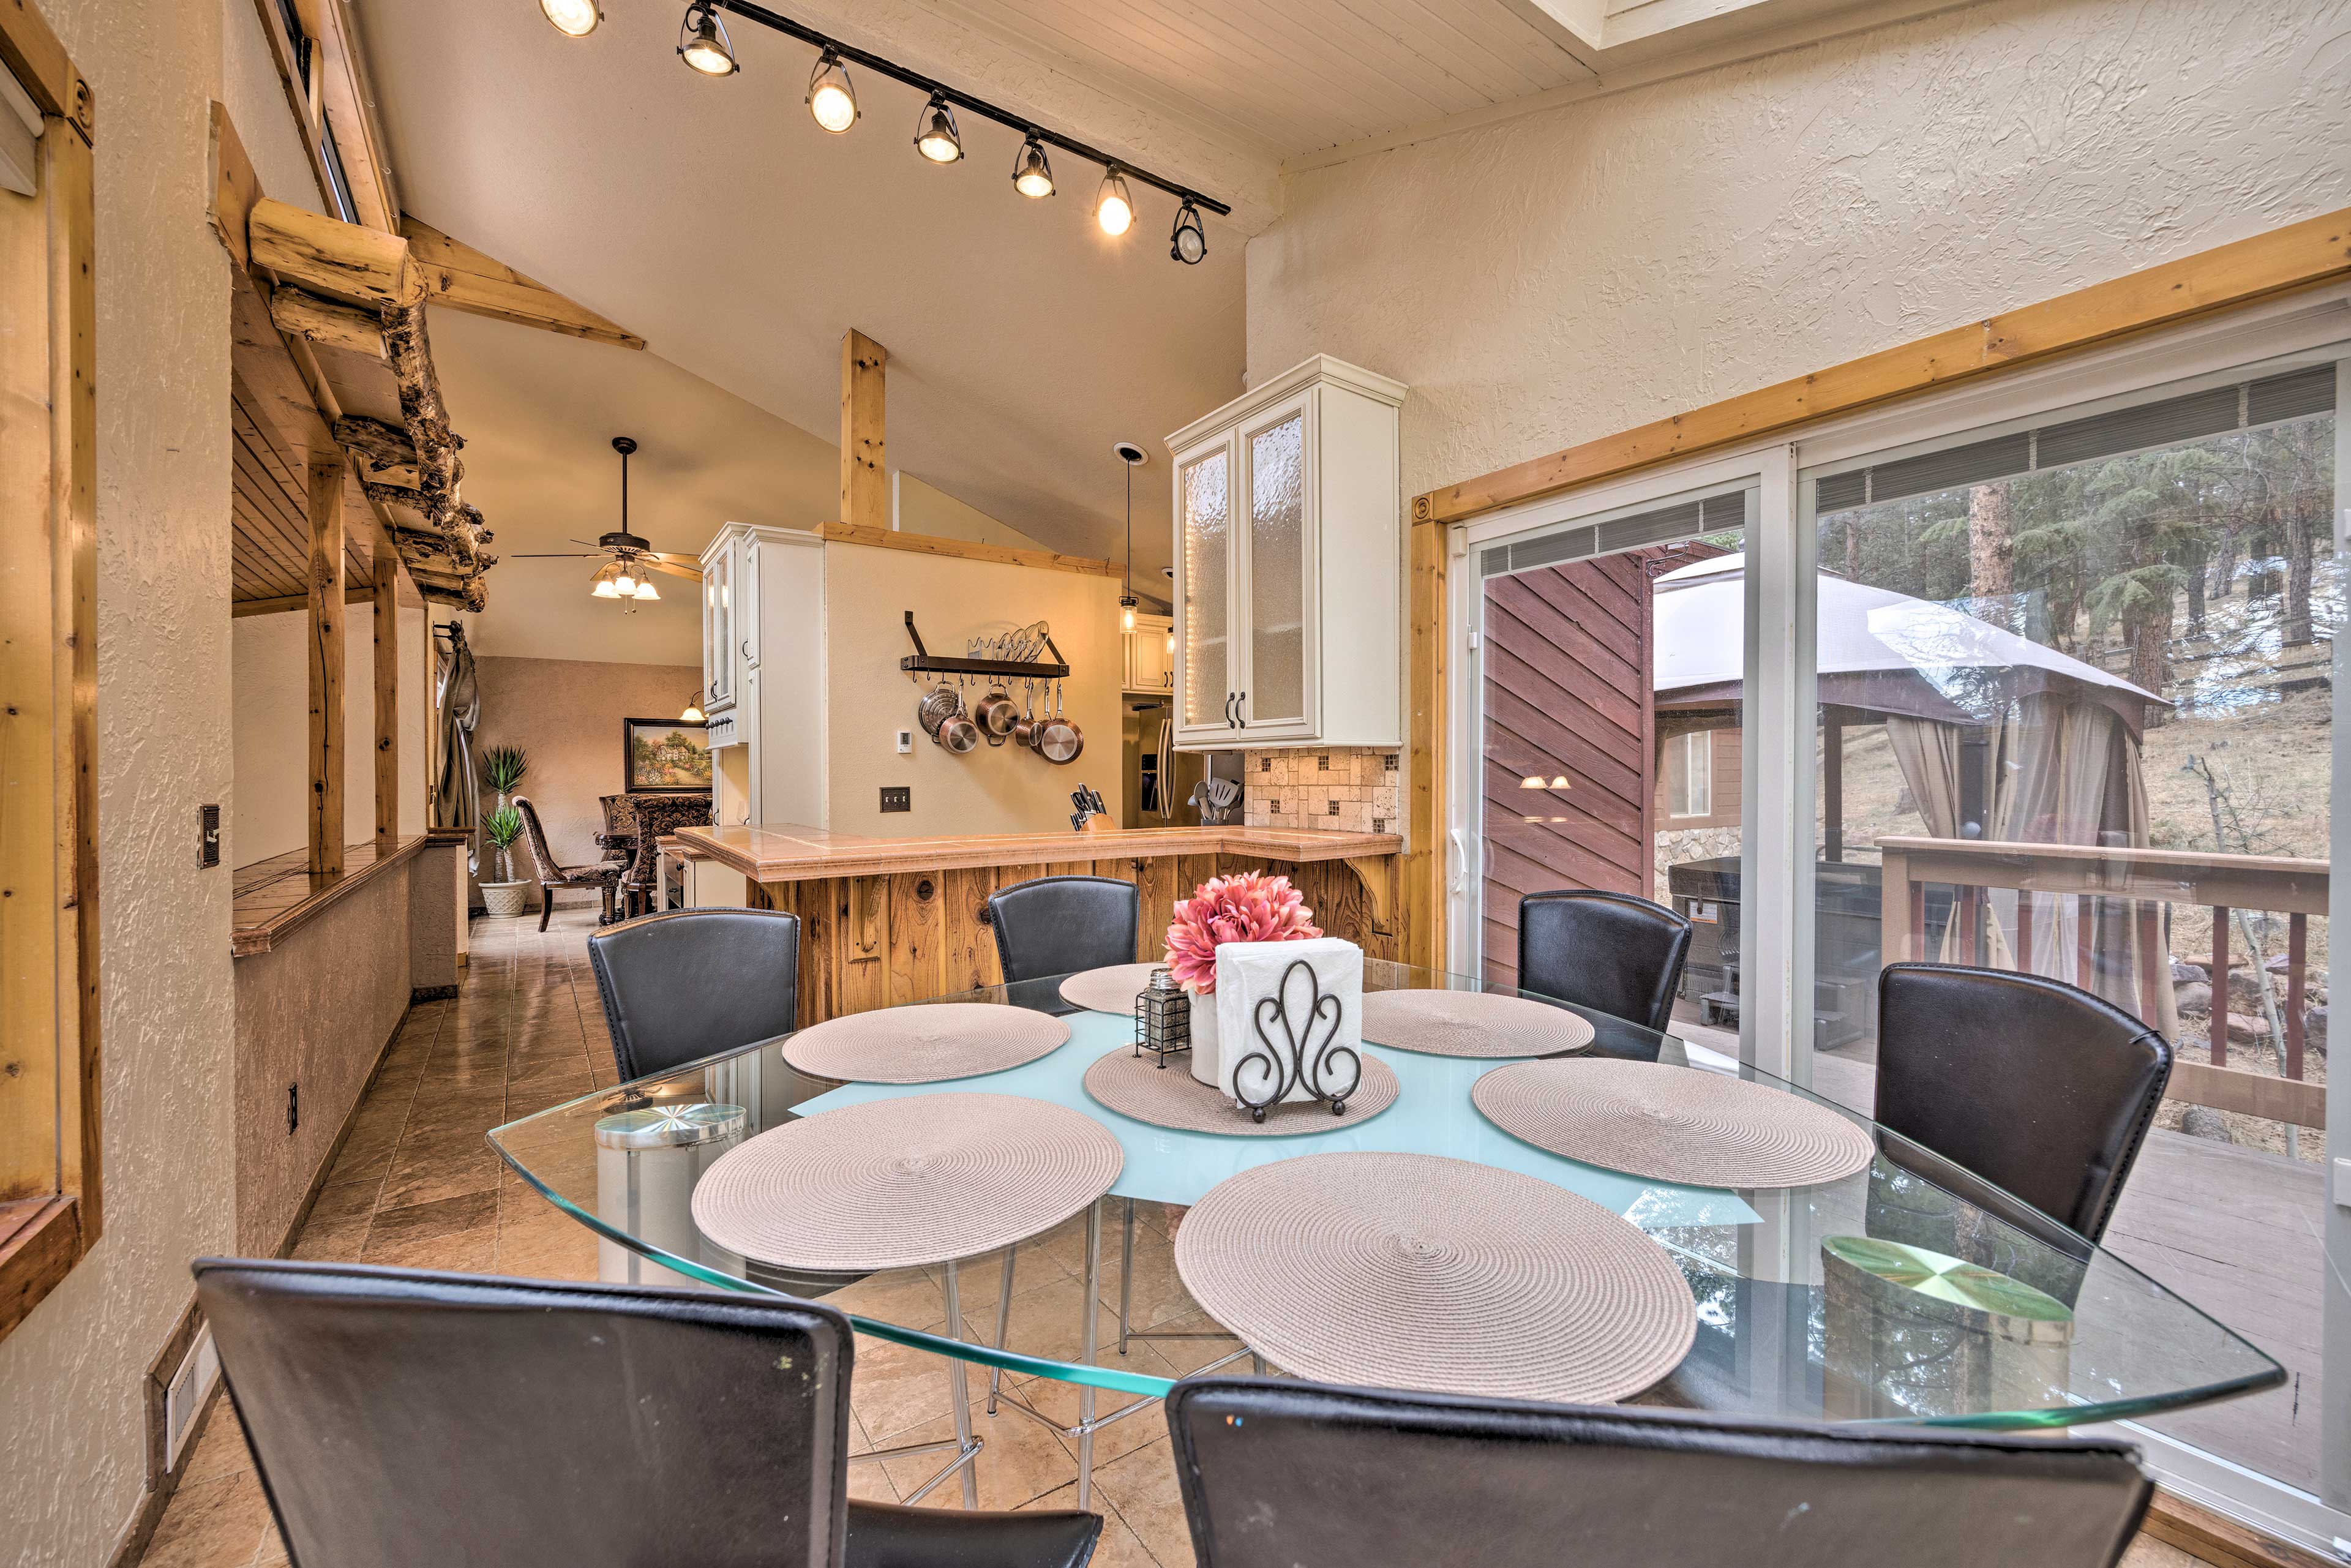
(664, 754)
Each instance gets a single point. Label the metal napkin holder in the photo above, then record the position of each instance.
(1297, 1058)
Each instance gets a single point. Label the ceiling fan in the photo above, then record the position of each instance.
(630, 557)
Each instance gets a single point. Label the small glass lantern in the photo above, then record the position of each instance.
(1162, 1018)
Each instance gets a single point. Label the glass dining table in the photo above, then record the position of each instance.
(1908, 1293)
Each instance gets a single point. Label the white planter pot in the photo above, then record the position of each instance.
(1205, 1062)
(504, 897)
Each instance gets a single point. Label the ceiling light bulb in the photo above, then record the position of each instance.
(935, 136)
(572, 18)
(1032, 177)
(646, 594)
(703, 42)
(1190, 242)
(604, 589)
(624, 585)
(832, 100)
(1126, 616)
(1171, 641)
(1113, 208)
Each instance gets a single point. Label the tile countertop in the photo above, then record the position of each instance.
(785, 852)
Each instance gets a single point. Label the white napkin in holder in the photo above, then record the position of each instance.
(1319, 986)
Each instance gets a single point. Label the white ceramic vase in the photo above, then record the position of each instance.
(1205, 1058)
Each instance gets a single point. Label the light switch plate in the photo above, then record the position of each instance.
(897, 798)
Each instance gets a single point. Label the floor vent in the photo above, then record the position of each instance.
(183, 1397)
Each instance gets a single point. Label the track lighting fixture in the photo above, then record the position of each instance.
(1113, 208)
(572, 18)
(935, 136)
(1190, 242)
(702, 43)
(1032, 177)
(832, 100)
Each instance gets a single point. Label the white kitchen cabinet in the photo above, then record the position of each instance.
(1150, 667)
(1289, 564)
(763, 668)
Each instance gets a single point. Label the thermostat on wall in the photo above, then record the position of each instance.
(905, 742)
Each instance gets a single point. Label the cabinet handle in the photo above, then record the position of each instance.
(1241, 704)
(747, 648)
(1230, 720)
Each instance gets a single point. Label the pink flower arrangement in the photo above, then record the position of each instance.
(1250, 907)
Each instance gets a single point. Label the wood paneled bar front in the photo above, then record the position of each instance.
(885, 921)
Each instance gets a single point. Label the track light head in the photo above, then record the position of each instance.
(702, 43)
(831, 100)
(572, 18)
(1032, 177)
(1190, 242)
(1113, 208)
(935, 136)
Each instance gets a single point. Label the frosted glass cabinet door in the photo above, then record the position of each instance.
(718, 630)
(1279, 575)
(1204, 618)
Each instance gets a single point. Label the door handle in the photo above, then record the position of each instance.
(1239, 705)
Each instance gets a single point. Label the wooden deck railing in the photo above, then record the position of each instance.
(2141, 879)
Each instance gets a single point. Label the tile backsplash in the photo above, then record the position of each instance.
(1347, 790)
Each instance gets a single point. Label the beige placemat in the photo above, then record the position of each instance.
(1112, 989)
(895, 1183)
(1471, 1023)
(1416, 1272)
(925, 1045)
(1673, 1123)
(1139, 1087)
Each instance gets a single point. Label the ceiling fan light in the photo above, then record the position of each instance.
(603, 587)
(1114, 207)
(572, 18)
(646, 592)
(624, 584)
(702, 43)
(935, 136)
(832, 100)
(1032, 176)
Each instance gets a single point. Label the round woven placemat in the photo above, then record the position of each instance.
(1471, 1023)
(1139, 1087)
(925, 1045)
(1416, 1272)
(1112, 989)
(895, 1183)
(1672, 1124)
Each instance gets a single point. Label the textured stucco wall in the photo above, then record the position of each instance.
(1569, 274)
(72, 1455)
(567, 714)
(315, 1011)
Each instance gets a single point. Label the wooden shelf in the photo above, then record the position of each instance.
(278, 896)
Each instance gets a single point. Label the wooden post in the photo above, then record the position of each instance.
(387, 701)
(864, 493)
(2297, 961)
(1897, 926)
(327, 739)
(2219, 986)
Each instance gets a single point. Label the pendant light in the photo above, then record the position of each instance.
(1032, 177)
(572, 18)
(702, 43)
(1113, 208)
(1133, 456)
(935, 136)
(693, 714)
(831, 100)
(1190, 242)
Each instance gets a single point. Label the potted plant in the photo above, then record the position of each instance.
(504, 896)
(1249, 907)
(502, 769)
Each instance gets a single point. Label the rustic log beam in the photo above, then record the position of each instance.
(325, 256)
(379, 446)
(464, 278)
(387, 704)
(299, 311)
(438, 471)
(327, 604)
(469, 595)
(864, 489)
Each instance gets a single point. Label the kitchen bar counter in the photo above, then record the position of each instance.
(885, 921)
(790, 853)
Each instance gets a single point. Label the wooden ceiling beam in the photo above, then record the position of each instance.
(350, 262)
(305, 315)
(464, 278)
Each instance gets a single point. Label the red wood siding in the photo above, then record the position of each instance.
(1566, 678)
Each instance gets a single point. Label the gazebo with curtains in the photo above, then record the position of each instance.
(1997, 737)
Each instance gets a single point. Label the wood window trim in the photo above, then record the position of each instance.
(48, 487)
(2299, 257)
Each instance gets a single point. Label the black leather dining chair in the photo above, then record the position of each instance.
(403, 1419)
(685, 985)
(2019, 1085)
(1062, 925)
(1276, 1473)
(1609, 954)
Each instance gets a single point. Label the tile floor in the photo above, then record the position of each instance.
(417, 1185)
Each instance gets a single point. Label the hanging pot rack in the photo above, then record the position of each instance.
(922, 661)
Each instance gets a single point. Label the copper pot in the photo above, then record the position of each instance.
(997, 716)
